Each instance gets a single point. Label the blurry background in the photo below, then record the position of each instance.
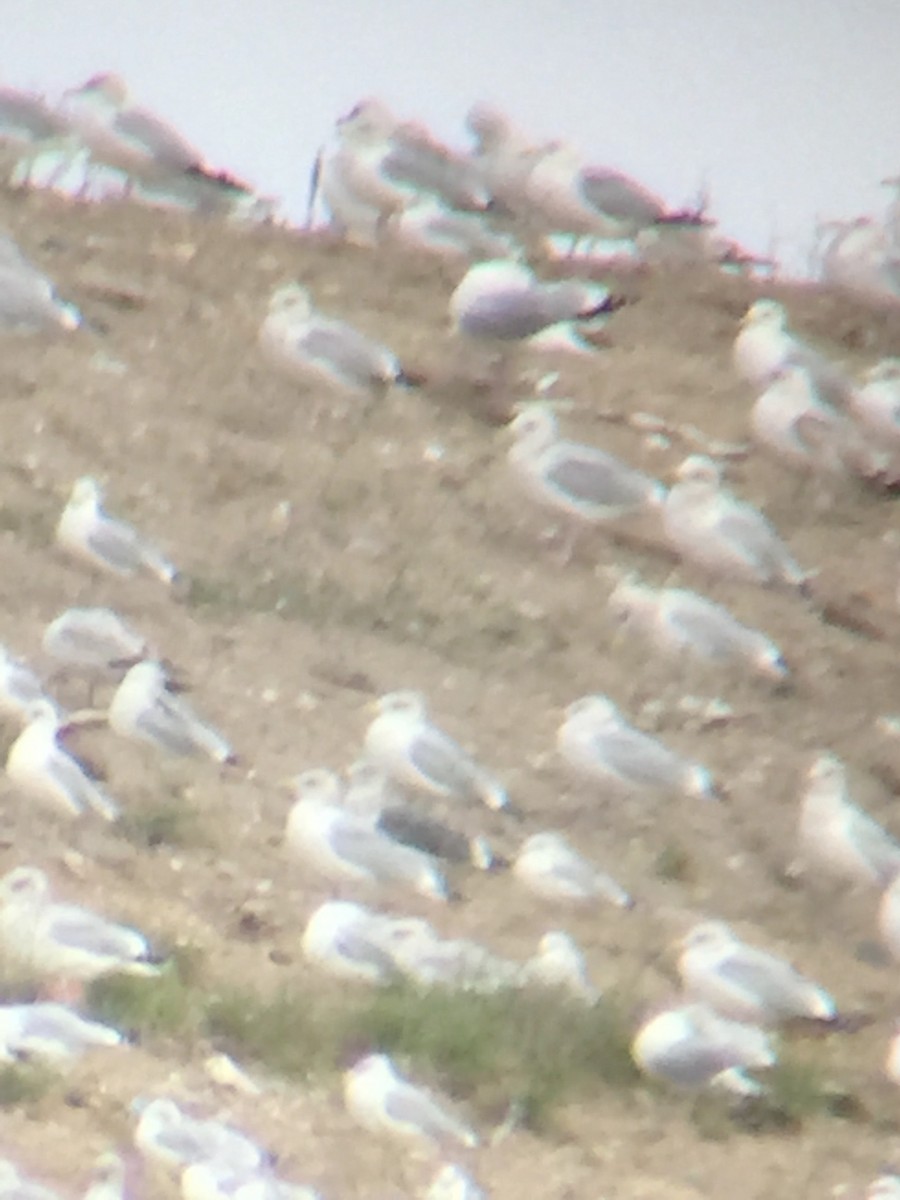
(784, 111)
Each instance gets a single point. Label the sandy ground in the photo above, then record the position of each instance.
(332, 563)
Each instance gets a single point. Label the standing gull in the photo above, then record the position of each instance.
(764, 346)
(548, 866)
(681, 622)
(40, 765)
(583, 483)
(380, 1099)
(63, 939)
(503, 157)
(86, 531)
(598, 743)
(342, 845)
(500, 303)
(711, 528)
(693, 1047)
(838, 839)
(746, 984)
(416, 754)
(146, 708)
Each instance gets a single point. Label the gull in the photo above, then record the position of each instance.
(323, 351)
(889, 917)
(452, 1183)
(107, 1178)
(745, 983)
(559, 963)
(380, 1099)
(13, 1186)
(86, 531)
(597, 741)
(370, 791)
(146, 708)
(503, 156)
(342, 845)
(28, 300)
(20, 686)
(838, 838)
(708, 526)
(457, 963)
(49, 1031)
(93, 641)
(548, 866)
(173, 1138)
(403, 742)
(861, 258)
(681, 622)
(875, 404)
(764, 345)
(792, 420)
(26, 117)
(569, 197)
(214, 1180)
(63, 939)
(41, 765)
(133, 140)
(885, 1187)
(583, 483)
(348, 941)
(500, 303)
(428, 225)
(691, 1047)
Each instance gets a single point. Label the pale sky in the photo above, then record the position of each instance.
(786, 109)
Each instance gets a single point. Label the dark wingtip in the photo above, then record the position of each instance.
(410, 379)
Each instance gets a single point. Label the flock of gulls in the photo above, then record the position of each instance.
(374, 831)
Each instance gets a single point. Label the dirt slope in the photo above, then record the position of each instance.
(333, 563)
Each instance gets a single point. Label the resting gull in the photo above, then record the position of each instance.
(836, 838)
(62, 939)
(168, 1135)
(548, 866)
(86, 531)
(681, 622)
(49, 1032)
(711, 528)
(747, 984)
(581, 482)
(349, 941)
(597, 741)
(559, 964)
(380, 1099)
(146, 708)
(764, 345)
(415, 753)
(20, 686)
(342, 845)
(692, 1047)
(875, 403)
(95, 642)
(39, 764)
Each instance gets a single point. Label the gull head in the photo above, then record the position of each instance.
(827, 769)
(292, 299)
(708, 935)
(404, 704)
(885, 371)
(368, 121)
(535, 424)
(86, 493)
(27, 885)
(598, 710)
(765, 313)
(318, 784)
(488, 125)
(698, 469)
(375, 1067)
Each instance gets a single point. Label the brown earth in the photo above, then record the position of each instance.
(408, 558)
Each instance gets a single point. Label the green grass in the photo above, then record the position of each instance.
(165, 822)
(22, 1083)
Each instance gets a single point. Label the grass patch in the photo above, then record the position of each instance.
(22, 1083)
(166, 822)
(159, 1006)
(674, 864)
(538, 1050)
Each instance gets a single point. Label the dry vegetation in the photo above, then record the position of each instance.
(331, 564)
